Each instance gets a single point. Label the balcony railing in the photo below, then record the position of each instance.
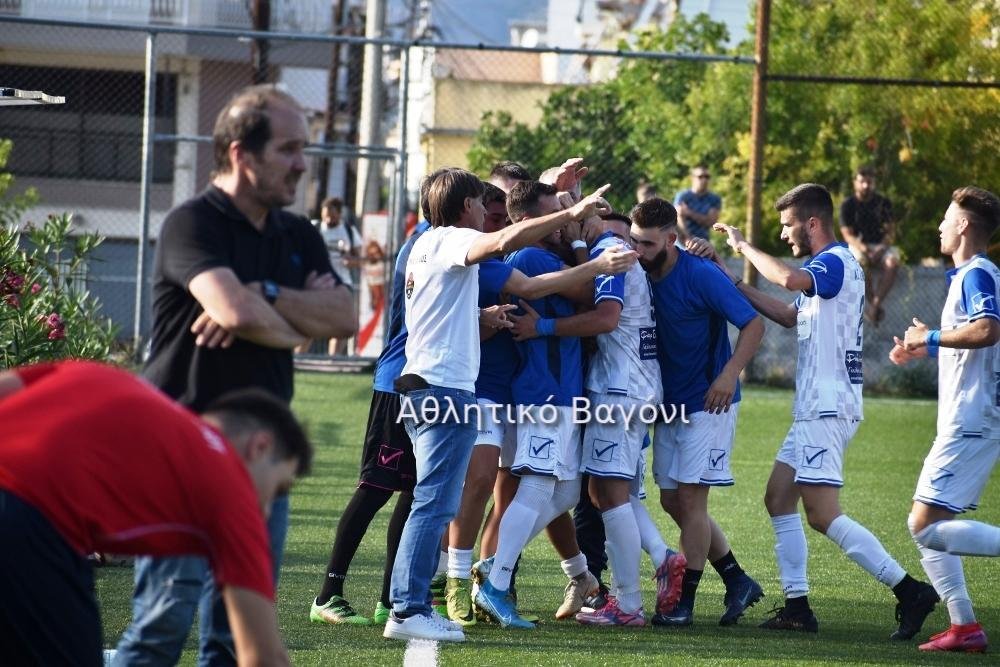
(286, 15)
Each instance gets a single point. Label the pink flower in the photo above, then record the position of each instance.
(10, 282)
(57, 334)
(13, 300)
(36, 288)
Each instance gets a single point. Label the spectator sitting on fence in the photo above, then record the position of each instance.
(344, 245)
(698, 207)
(867, 226)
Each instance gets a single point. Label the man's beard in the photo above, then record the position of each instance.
(656, 263)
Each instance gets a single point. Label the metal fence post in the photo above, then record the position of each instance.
(146, 182)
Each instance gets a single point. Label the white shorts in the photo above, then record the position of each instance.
(955, 472)
(492, 423)
(508, 448)
(551, 449)
(697, 452)
(638, 487)
(613, 449)
(815, 449)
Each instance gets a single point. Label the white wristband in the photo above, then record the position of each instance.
(579, 245)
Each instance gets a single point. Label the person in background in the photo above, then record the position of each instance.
(697, 207)
(344, 245)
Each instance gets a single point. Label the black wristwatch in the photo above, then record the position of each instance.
(270, 290)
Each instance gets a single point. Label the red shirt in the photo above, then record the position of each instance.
(116, 466)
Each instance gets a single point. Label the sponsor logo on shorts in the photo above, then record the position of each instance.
(604, 450)
(388, 457)
(540, 448)
(716, 458)
(812, 457)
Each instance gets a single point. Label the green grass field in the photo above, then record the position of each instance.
(854, 611)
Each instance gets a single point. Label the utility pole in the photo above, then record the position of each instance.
(758, 132)
(332, 103)
(261, 47)
(367, 196)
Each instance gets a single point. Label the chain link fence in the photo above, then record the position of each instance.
(639, 117)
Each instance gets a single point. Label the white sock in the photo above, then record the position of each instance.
(460, 563)
(533, 493)
(864, 549)
(442, 566)
(649, 535)
(791, 552)
(969, 538)
(623, 542)
(575, 566)
(946, 575)
(565, 496)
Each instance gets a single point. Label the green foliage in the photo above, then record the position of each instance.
(655, 119)
(45, 309)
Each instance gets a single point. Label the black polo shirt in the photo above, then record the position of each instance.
(867, 219)
(208, 232)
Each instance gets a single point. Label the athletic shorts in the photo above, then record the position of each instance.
(891, 251)
(48, 612)
(508, 449)
(815, 449)
(955, 472)
(387, 461)
(551, 449)
(492, 423)
(697, 452)
(613, 449)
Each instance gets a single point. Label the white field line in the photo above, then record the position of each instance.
(421, 653)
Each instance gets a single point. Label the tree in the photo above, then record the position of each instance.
(657, 118)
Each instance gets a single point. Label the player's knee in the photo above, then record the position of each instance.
(668, 501)
(819, 520)
(925, 533)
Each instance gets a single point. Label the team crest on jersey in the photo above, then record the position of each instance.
(409, 285)
(981, 302)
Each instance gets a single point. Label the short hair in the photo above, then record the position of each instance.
(615, 215)
(654, 213)
(810, 200)
(425, 186)
(866, 170)
(492, 193)
(700, 165)
(246, 410)
(524, 197)
(514, 171)
(334, 203)
(447, 194)
(246, 119)
(647, 190)
(982, 207)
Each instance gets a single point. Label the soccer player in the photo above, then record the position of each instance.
(967, 347)
(829, 316)
(548, 451)
(438, 380)
(693, 302)
(387, 463)
(122, 468)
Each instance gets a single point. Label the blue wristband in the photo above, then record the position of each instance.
(933, 342)
(545, 327)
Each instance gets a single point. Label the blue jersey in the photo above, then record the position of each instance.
(390, 363)
(497, 354)
(692, 305)
(702, 203)
(550, 366)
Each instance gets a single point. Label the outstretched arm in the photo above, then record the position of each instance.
(611, 261)
(773, 269)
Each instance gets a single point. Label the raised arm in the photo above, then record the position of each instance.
(773, 269)
(526, 233)
(613, 260)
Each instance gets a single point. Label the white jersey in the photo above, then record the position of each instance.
(626, 363)
(828, 376)
(969, 380)
(442, 302)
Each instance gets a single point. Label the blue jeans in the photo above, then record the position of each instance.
(167, 593)
(442, 448)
